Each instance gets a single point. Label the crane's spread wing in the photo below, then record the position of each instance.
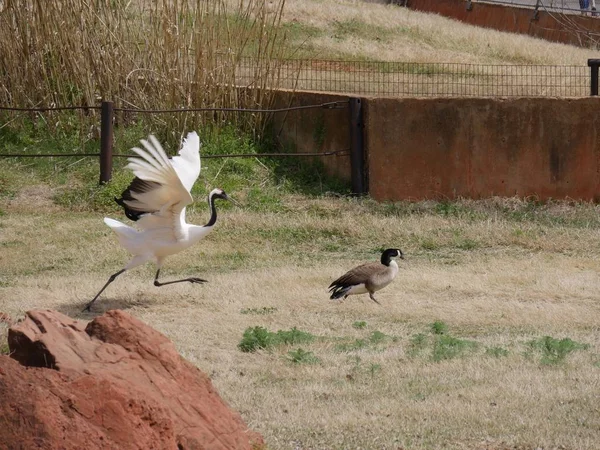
(187, 164)
(161, 190)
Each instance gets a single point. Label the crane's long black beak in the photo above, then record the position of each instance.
(228, 198)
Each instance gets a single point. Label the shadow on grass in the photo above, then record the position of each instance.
(100, 306)
(306, 176)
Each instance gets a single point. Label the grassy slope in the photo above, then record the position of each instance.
(358, 30)
(500, 273)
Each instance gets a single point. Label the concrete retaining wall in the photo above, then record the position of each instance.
(446, 148)
(579, 30)
(315, 130)
(548, 148)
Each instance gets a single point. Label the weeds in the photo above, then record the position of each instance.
(359, 325)
(259, 311)
(448, 347)
(259, 338)
(301, 356)
(374, 339)
(496, 352)
(554, 351)
(440, 344)
(439, 327)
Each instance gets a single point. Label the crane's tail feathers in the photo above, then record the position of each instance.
(127, 235)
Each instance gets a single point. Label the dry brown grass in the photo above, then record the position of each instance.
(354, 28)
(498, 272)
(139, 54)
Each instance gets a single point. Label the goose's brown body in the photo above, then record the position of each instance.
(367, 278)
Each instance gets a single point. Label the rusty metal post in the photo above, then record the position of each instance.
(106, 141)
(357, 150)
(594, 64)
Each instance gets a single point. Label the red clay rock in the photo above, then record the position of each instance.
(5, 318)
(117, 383)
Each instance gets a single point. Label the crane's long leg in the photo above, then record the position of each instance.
(191, 280)
(110, 280)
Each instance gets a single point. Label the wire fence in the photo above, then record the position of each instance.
(402, 79)
(107, 119)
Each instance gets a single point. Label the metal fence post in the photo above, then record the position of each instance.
(594, 64)
(106, 141)
(357, 150)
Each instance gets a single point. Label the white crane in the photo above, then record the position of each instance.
(156, 200)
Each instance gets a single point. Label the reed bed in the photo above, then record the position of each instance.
(141, 54)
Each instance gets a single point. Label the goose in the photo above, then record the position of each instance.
(156, 200)
(369, 277)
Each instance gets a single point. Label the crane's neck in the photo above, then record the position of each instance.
(213, 212)
(198, 232)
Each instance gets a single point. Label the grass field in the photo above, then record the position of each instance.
(488, 338)
(353, 29)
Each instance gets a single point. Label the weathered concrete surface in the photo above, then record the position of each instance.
(578, 30)
(446, 148)
(115, 383)
(315, 130)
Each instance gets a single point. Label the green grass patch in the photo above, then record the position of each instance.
(301, 356)
(552, 350)
(448, 347)
(439, 327)
(259, 338)
(496, 352)
(259, 311)
(354, 345)
(438, 345)
(359, 324)
(374, 339)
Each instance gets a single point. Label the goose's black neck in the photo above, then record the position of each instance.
(386, 259)
(387, 255)
(213, 212)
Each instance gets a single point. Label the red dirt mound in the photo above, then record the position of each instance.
(116, 383)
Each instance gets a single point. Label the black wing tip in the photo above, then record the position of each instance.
(338, 290)
(136, 185)
(130, 213)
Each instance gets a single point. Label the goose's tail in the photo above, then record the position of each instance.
(338, 291)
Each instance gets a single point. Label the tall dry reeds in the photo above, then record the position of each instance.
(139, 53)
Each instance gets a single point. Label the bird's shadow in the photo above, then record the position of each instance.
(75, 309)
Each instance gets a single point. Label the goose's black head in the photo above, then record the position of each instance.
(387, 255)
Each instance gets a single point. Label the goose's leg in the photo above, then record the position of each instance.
(191, 280)
(110, 280)
(373, 298)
